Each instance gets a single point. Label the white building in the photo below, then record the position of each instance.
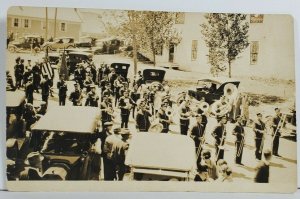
(270, 53)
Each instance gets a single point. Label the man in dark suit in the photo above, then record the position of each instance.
(143, 119)
(164, 118)
(29, 89)
(76, 96)
(259, 129)
(263, 169)
(185, 114)
(46, 85)
(219, 133)
(276, 131)
(62, 91)
(239, 132)
(125, 104)
(197, 133)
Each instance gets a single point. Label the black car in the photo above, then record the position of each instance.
(153, 75)
(63, 139)
(211, 89)
(121, 69)
(86, 42)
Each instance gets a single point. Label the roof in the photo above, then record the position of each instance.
(64, 14)
(14, 98)
(80, 53)
(75, 119)
(159, 150)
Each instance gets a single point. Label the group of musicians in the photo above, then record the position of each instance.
(118, 94)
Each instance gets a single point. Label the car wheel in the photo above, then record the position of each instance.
(12, 49)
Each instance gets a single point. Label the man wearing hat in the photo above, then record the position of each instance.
(202, 175)
(219, 133)
(18, 72)
(108, 159)
(143, 118)
(36, 72)
(106, 110)
(45, 86)
(125, 104)
(239, 132)
(276, 131)
(164, 118)
(197, 133)
(119, 153)
(34, 162)
(76, 96)
(263, 168)
(29, 89)
(9, 82)
(211, 165)
(184, 117)
(62, 91)
(92, 97)
(259, 129)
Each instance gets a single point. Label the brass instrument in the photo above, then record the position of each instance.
(202, 141)
(230, 91)
(220, 107)
(239, 151)
(262, 141)
(222, 143)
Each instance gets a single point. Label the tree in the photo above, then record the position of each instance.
(226, 36)
(158, 31)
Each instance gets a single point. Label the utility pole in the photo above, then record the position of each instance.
(55, 17)
(46, 31)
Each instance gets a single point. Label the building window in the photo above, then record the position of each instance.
(63, 27)
(159, 50)
(256, 18)
(179, 18)
(16, 22)
(43, 25)
(194, 49)
(254, 47)
(26, 23)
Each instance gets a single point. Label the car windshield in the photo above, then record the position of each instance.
(63, 143)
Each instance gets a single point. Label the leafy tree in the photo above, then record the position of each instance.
(226, 36)
(158, 31)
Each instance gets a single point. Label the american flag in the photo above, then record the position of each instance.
(47, 70)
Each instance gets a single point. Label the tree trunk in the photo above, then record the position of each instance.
(134, 54)
(153, 53)
(229, 69)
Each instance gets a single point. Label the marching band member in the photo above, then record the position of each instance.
(276, 131)
(164, 118)
(125, 105)
(29, 89)
(239, 132)
(185, 114)
(76, 96)
(135, 96)
(143, 118)
(118, 84)
(62, 91)
(107, 90)
(46, 86)
(219, 133)
(92, 97)
(259, 129)
(112, 76)
(197, 133)
(106, 110)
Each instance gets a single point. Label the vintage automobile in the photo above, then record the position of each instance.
(108, 46)
(59, 43)
(76, 57)
(212, 89)
(54, 58)
(121, 69)
(86, 42)
(153, 75)
(62, 137)
(154, 156)
(27, 43)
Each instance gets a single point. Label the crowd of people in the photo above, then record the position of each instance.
(152, 106)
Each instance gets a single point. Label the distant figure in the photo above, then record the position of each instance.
(62, 91)
(263, 169)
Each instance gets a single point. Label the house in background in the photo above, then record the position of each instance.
(270, 53)
(23, 21)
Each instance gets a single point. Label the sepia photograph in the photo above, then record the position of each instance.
(129, 97)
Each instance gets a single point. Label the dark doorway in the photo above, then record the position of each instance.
(171, 52)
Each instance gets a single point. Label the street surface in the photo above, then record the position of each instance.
(282, 169)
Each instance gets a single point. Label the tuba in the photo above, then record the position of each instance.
(220, 107)
(204, 106)
(230, 91)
